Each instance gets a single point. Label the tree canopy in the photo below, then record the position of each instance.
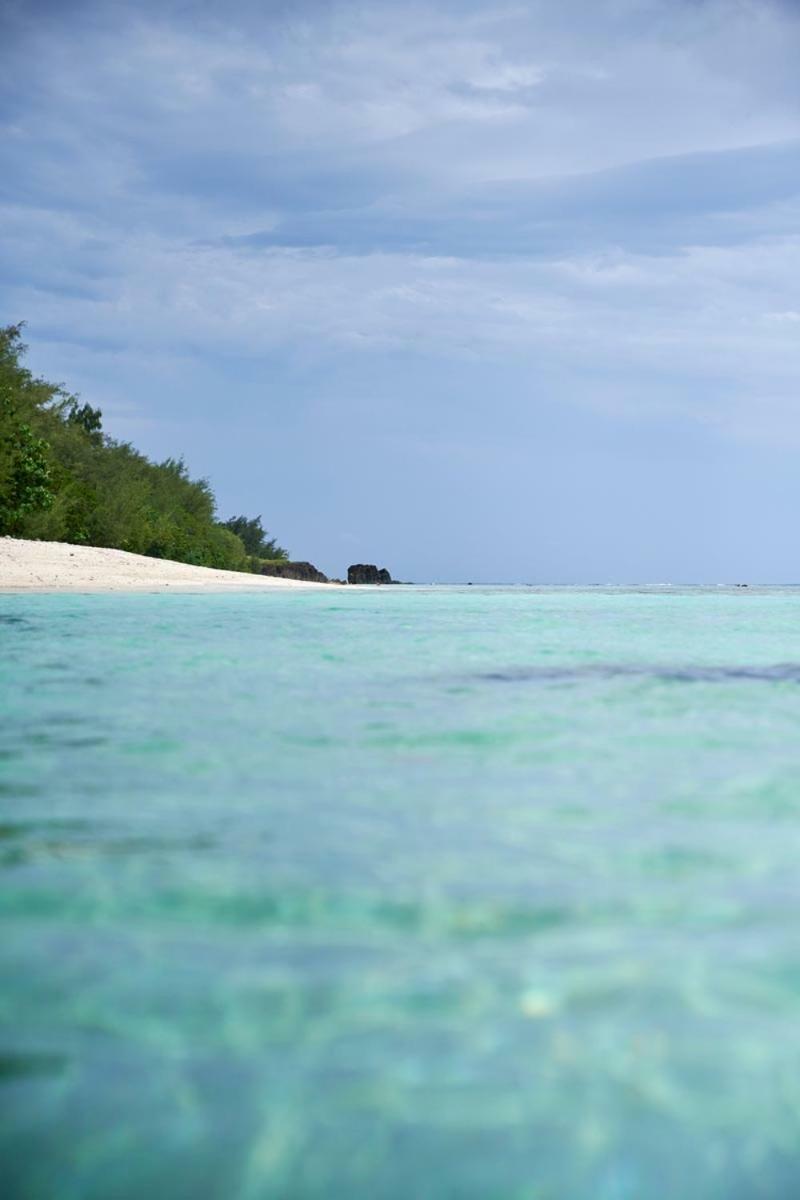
(255, 538)
(63, 479)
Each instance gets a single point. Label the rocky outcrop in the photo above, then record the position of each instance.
(304, 571)
(367, 573)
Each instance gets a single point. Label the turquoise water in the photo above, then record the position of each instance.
(402, 894)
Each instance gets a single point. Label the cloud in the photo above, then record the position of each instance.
(609, 185)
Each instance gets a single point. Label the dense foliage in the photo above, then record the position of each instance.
(255, 538)
(63, 479)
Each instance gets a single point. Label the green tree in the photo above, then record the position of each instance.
(89, 419)
(254, 537)
(25, 476)
(26, 484)
(63, 479)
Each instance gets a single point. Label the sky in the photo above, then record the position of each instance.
(471, 289)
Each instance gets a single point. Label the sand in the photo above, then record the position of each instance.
(28, 566)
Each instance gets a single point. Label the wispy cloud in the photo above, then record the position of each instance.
(605, 191)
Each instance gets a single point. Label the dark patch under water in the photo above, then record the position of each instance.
(781, 673)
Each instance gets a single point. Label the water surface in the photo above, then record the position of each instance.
(408, 893)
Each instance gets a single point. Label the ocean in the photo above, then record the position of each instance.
(401, 894)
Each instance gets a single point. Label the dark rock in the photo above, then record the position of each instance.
(304, 571)
(367, 573)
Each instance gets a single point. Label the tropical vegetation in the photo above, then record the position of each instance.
(63, 479)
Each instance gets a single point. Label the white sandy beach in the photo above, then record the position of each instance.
(28, 566)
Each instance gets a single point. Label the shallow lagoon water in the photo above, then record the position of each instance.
(447, 893)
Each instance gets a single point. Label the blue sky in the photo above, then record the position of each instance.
(477, 290)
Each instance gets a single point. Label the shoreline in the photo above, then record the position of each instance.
(28, 566)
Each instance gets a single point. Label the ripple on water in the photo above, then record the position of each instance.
(476, 894)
